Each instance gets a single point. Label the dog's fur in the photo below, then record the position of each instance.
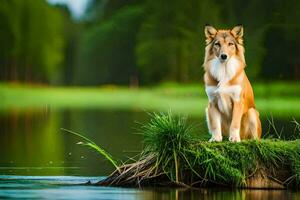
(231, 109)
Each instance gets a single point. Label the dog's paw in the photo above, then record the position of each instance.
(235, 137)
(215, 139)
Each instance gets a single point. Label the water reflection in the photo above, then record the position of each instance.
(33, 144)
(234, 194)
(27, 139)
(66, 187)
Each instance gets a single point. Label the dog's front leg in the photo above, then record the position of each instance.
(235, 125)
(213, 118)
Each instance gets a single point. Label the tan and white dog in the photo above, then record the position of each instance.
(231, 109)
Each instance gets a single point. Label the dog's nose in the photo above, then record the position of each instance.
(223, 56)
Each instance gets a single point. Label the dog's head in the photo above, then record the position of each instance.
(224, 44)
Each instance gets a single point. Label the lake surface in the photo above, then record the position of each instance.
(68, 187)
(39, 160)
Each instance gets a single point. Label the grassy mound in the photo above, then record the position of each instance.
(173, 156)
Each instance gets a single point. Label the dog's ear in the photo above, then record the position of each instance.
(210, 31)
(237, 31)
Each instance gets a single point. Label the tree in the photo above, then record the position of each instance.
(107, 49)
(32, 40)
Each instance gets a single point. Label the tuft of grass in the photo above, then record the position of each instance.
(166, 136)
(89, 143)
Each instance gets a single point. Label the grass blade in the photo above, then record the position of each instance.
(93, 145)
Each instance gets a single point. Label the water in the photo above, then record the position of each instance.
(67, 187)
(38, 160)
(33, 143)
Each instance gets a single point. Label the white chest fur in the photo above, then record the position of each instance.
(213, 92)
(220, 94)
(223, 71)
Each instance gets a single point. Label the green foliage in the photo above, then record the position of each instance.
(107, 48)
(167, 42)
(31, 41)
(143, 42)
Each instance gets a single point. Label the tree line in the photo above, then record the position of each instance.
(145, 42)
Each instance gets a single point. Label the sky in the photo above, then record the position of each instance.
(77, 7)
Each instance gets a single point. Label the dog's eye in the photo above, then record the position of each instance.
(217, 44)
(230, 44)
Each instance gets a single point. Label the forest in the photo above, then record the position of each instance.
(138, 42)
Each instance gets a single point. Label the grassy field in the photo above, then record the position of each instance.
(278, 98)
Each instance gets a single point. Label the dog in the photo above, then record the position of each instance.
(231, 109)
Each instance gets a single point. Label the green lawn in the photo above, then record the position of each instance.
(276, 98)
